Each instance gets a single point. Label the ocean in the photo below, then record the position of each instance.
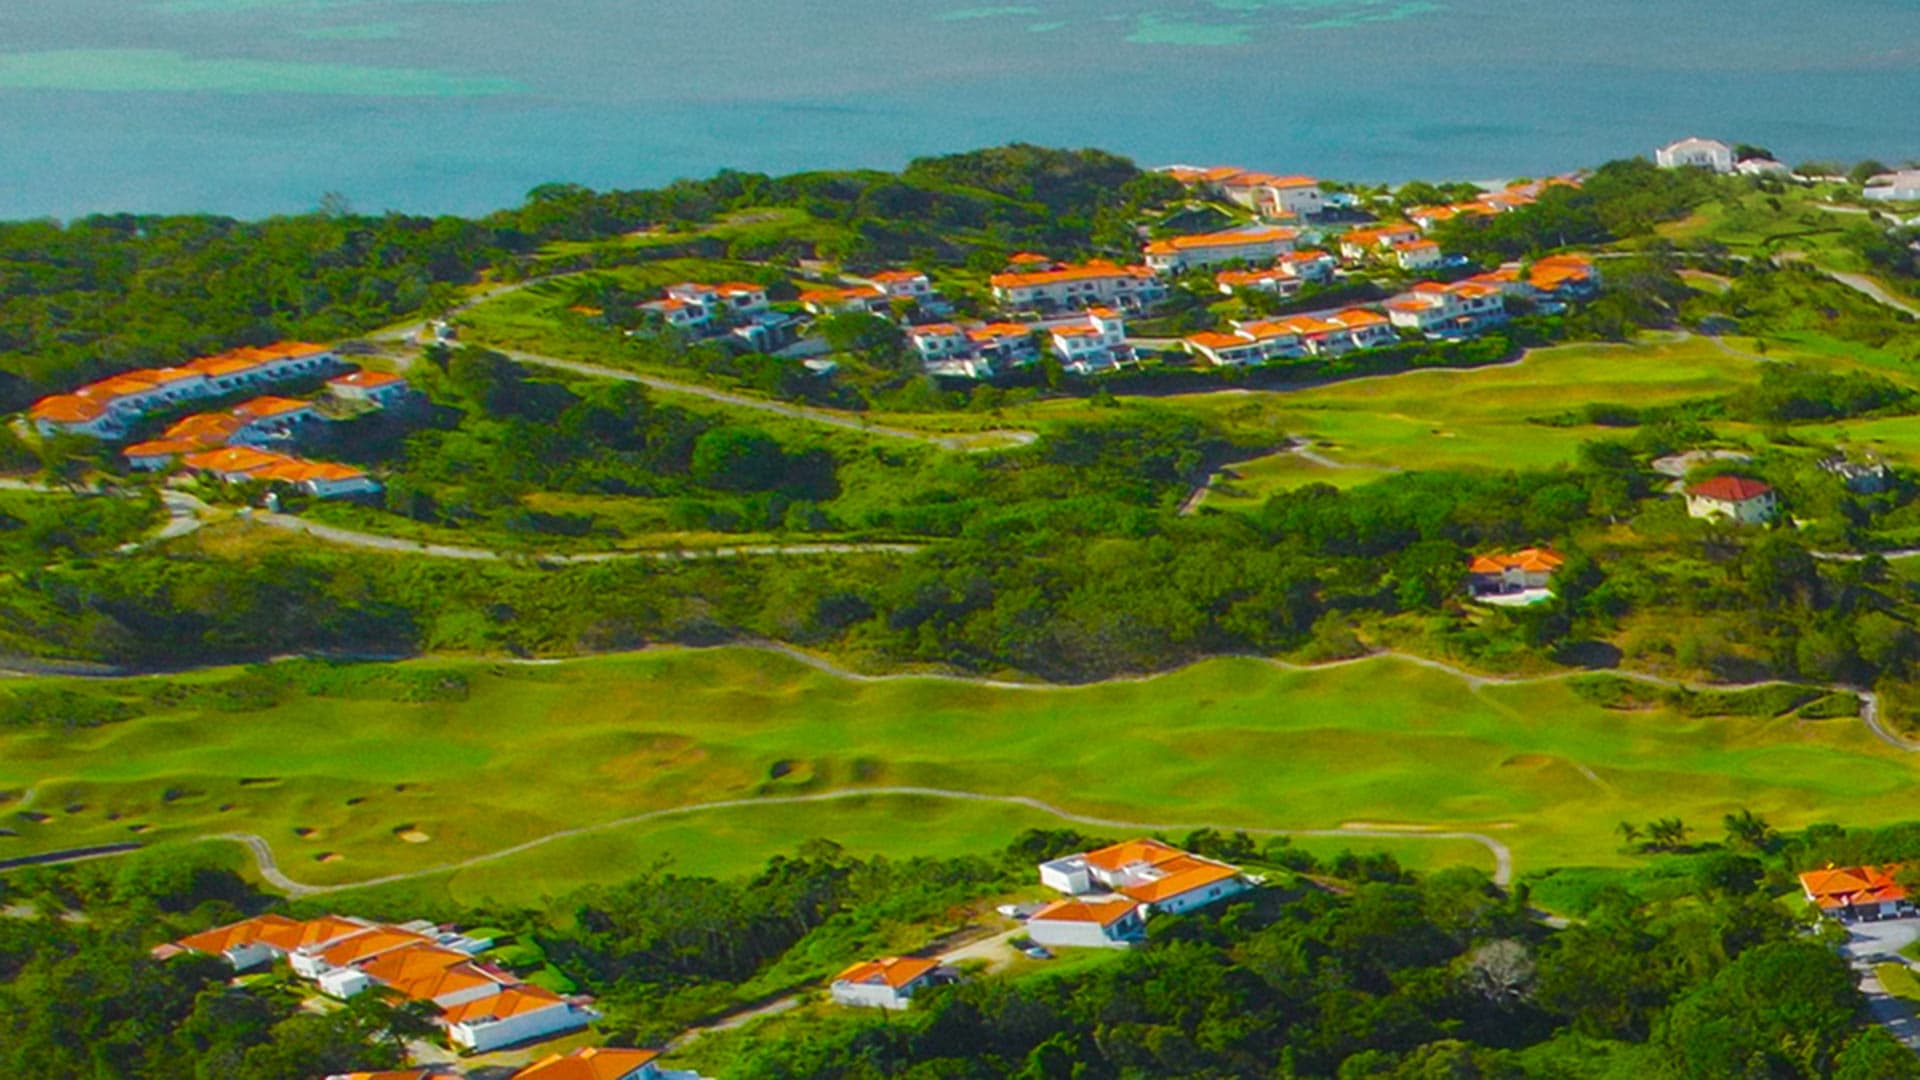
(255, 107)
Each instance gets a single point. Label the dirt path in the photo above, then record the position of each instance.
(974, 441)
(399, 546)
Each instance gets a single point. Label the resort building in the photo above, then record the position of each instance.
(1097, 341)
(902, 284)
(888, 983)
(1310, 264)
(1275, 280)
(1416, 254)
(1362, 244)
(521, 1014)
(1513, 573)
(1293, 337)
(1857, 892)
(1077, 286)
(1253, 246)
(1903, 186)
(972, 352)
(864, 299)
(1156, 875)
(1732, 498)
(1695, 153)
(1460, 310)
(103, 409)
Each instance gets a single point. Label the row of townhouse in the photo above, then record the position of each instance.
(1037, 283)
(1263, 193)
(482, 1007)
(104, 409)
(1258, 244)
(873, 294)
(1293, 337)
(1109, 894)
(1401, 245)
(1460, 310)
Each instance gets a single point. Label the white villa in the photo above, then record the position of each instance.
(1089, 924)
(1697, 153)
(1094, 342)
(1903, 186)
(1732, 498)
(516, 1015)
(887, 983)
(1293, 337)
(381, 388)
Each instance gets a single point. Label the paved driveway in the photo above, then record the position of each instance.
(1873, 943)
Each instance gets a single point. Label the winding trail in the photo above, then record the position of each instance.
(997, 439)
(379, 542)
(271, 872)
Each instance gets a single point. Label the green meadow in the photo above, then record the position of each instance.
(349, 786)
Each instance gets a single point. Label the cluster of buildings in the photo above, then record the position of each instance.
(1430, 310)
(741, 309)
(245, 442)
(1854, 893)
(1108, 895)
(1266, 194)
(482, 1007)
(105, 409)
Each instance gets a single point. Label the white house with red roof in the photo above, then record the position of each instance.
(1310, 263)
(1738, 499)
(1459, 310)
(1275, 280)
(380, 388)
(1097, 341)
(887, 983)
(864, 299)
(1513, 573)
(1416, 254)
(732, 297)
(1116, 923)
(1362, 244)
(902, 284)
(514, 1015)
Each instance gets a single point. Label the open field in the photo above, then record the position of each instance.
(501, 754)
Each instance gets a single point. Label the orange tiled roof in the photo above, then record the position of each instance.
(1128, 852)
(234, 459)
(888, 276)
(359, 947)
(1230, 238)
(1848, 885)
(1101, 912)
(1530, 559)
(592, 1063)
(265, 408)
(1209, 339)
(67, 409)
(1091, 271)
(933, 330)
(366, 379)
(893, 971)
(246, 932)
(1180, 875)
(162, 448)
(508, 1003)
(995, 331)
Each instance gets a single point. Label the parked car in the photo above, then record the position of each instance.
(1038, 952)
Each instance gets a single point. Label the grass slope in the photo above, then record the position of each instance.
(390, 786)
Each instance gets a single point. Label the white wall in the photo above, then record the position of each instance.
(484, 1037)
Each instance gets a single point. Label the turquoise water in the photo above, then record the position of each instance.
(259, 106)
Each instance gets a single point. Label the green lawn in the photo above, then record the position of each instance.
(1898, 979)
(390, 785)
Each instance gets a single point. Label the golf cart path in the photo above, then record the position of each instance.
(270, 868)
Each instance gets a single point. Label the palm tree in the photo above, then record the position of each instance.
(1750, 830)
(1629, 832)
